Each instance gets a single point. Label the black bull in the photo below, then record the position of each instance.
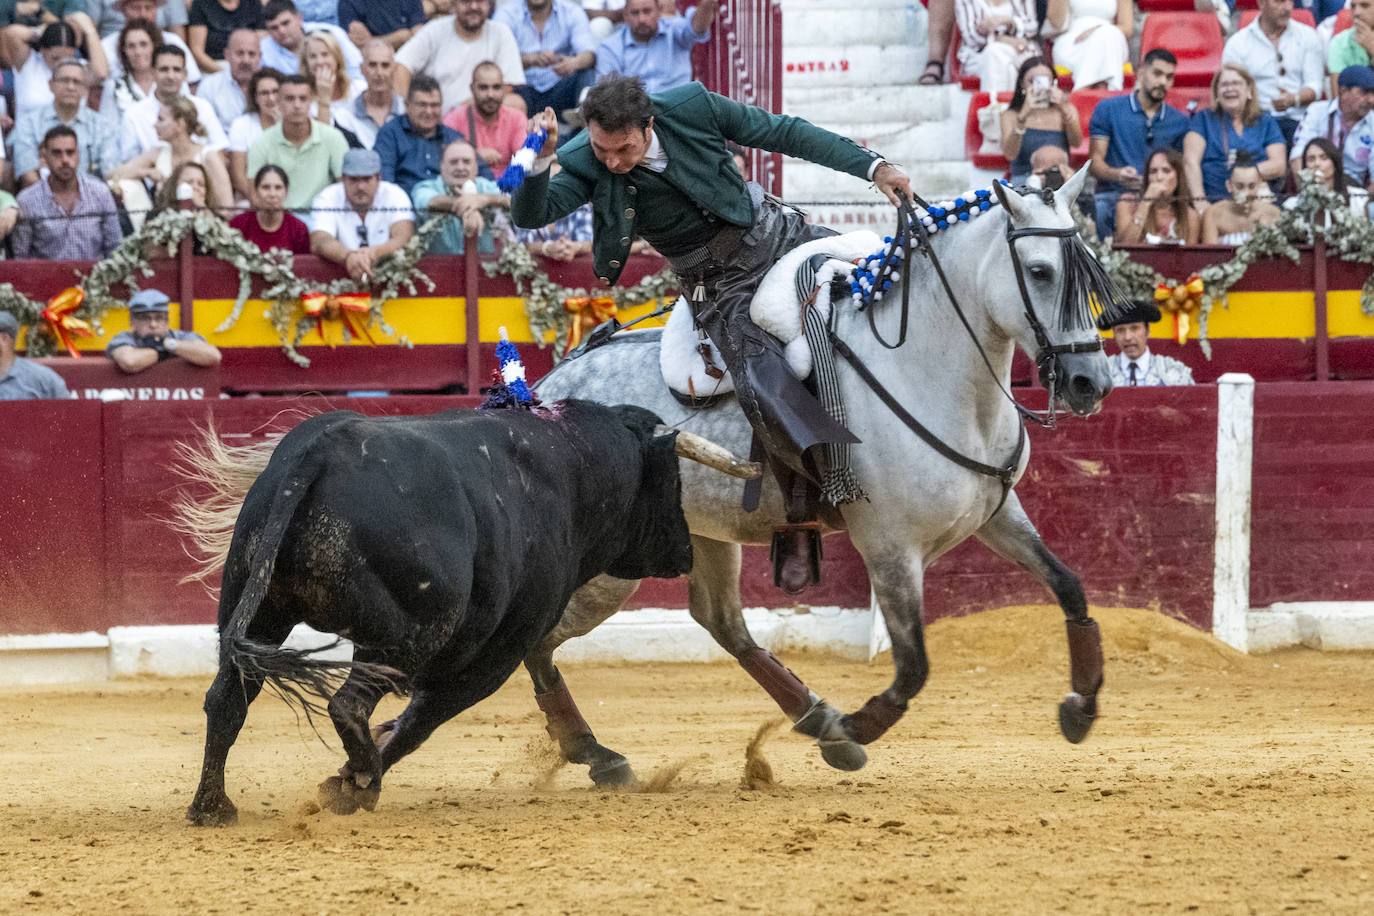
(444, 547)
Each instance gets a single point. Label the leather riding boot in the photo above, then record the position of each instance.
(796, 558)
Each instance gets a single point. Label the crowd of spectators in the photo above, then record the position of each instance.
(332, 126)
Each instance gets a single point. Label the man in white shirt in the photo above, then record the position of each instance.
(1135, 366)
(226, 88)
(1286, 60)
(138, 134)
(286, 31)
(1345, 121)
(361, 219)
(450, 47)
(151, 11)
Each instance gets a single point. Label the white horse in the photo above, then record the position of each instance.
(922, 502)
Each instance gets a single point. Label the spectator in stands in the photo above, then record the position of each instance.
(1284, 59)
(563, 239)
(498, 130)
(1344, 121)
(1135, 366)
(268, 225)
(262, 113)
(658, 51)
(23, 379)
(190, 181)
(134, 58)
(1164, 214)
(57, 41)
(449, 48)
(9, 216)
(139, 131)
(458, 190)
(179, 132)
(362, 219)
(1321, 161)
(322, 60)
(155, 11)
(1354, 46)
(1039, 114)
(1233, 124)
(112, 15)
(939, 29)
(309, 152)
(379, 103)
(226, 88)
(286, 30)
(412, 145)
(1093, 44)
(151, 339)
(556, 49)
(390, 21)
(603, 16)
(1248, 206)
(70, 216)
(1125, 129)
(96, 139)
(213, 24)
(325, 11)
(996, 38)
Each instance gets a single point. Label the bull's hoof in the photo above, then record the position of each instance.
(613, 773)
(1076, 718)
(341, 795)
(218, 814)
(843, 755)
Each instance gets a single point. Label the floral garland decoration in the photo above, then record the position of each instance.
(544, 299)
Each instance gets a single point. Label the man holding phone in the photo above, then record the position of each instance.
(1124, 130)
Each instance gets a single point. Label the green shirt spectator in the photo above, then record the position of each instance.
(312, 162)
(1345, 52)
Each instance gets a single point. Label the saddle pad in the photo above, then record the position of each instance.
(775, 309)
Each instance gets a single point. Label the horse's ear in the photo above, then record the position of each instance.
(1012, 201)
(1070, 190)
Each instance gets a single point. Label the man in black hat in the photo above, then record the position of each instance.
(150, 339)
(1135, 366)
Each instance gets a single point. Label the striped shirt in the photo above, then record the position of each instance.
(46, 230)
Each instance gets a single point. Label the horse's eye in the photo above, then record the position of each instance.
(1041, 272)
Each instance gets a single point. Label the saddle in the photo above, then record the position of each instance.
(790, 286)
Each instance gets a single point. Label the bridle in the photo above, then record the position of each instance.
(912, 234)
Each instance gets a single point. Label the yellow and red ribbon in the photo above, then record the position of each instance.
(587, 312)
(62, 323)
(1183, 302)
(345, 308)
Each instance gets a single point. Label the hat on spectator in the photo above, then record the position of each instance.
(56, 35)
(360, 163)
(148, 300)
(1142, 311)
(1356, 76)
(9, 324)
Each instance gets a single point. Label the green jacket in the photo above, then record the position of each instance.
(692, 126)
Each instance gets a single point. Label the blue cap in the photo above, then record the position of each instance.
(148, 300)
(1356, 76)
(360, 163)
(9, 324)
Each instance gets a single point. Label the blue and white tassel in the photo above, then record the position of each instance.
(512, 369)
(520, 163)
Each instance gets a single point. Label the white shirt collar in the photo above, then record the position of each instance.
(655, 159)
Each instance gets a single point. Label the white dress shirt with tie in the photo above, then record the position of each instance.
(1150, 370)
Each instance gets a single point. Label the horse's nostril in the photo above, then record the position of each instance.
(1082, 388)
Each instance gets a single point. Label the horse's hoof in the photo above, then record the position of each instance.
(613, 774)
(844, 755)
(1074, 719)
(221, 814)
(341, 795)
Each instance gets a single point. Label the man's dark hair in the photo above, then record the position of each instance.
(58, 132)
(1155, 54)
(163, 50)
(617, 104)
(422, 83)
(297, 79)
(274, 8)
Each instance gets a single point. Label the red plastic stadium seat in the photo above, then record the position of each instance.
(1343, 21)
(1165, 6)
(1195, 39)
(973, 136)
(1085, 100)
(1180, 96)
(1303, 16)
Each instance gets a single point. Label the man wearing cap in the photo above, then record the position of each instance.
(362, 219)
(150, 339)
(1135, 366)
(23, 379)
(1345, 121)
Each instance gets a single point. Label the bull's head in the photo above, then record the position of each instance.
(658, 543)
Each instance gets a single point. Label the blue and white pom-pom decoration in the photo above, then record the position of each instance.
(870, 278)
(512, 369)
(520, 163)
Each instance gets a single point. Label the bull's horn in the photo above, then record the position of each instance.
(704, 451)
